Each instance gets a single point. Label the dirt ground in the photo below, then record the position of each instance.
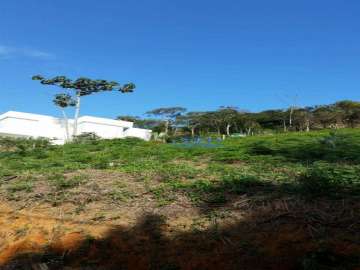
(85, 231)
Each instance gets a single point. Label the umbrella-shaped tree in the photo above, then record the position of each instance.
(79, 88)
(168, 114)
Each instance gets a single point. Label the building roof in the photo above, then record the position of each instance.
(28, 116)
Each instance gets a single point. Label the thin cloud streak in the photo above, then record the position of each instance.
(7, 52)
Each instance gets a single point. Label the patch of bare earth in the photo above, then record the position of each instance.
(90, 226)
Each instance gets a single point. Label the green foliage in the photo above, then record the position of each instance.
(228, 120)
(86, 137)
(316, 163)
(23, 145)
(331, 179)
(25, 184)
(85, 86)
(60, 182)
(64, 100)
(327, 146)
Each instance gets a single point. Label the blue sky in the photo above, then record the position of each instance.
(200, 54)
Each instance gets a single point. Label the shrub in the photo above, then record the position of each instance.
(23, 145)
(22, 185)
(86, 137)
(60, 182)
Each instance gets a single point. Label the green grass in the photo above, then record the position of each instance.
(60, 182)
(322, 163)
(25, 184)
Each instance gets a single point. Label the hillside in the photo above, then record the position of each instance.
(285, 201)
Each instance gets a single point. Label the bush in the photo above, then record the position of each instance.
(60, 182)
(23, 145)
(86, 137)
(25, 184)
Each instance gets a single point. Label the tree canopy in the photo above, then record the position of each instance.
(85, 86)
(229, 119)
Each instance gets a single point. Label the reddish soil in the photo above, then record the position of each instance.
(273, 235)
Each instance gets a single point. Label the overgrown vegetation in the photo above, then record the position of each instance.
(323, 163)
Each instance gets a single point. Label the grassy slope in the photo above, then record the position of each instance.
(200, 187)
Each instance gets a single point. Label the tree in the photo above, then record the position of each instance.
(326, 116)
(82, 87)
(350, 110)
(250, 124)
(63, 101)
(303, 118)
(272, 119)
(167, 114)
(140, 122)
(229, 116)
(192, 121)
(128, 118)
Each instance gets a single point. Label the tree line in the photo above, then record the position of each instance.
(228, 120)
(224, 121)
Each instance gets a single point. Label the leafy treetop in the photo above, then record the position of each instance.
(85, 86)
(64, 101)
(170, 112)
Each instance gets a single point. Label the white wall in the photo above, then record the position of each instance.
(31, 126)
(144, 134)
(103, 131)
(34, 125)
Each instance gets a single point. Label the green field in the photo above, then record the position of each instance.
(325, 163)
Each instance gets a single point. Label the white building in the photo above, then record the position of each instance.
(18, 124)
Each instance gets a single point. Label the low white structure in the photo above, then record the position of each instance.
(18, 124)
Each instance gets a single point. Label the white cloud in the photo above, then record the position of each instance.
(11, 52)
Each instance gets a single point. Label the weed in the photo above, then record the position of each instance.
(60, 182)
(163, 195)
(121, 195)
(21, 185)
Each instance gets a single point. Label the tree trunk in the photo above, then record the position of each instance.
(166, 127)
(307, 126)
(218, 131)
(228, 129)
(77, 113)
(290, 117)
(193, 132)
(66, 120)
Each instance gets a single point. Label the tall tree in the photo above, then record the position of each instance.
(326, 116)
(350, 110)
(168, 115)
(83, 87)
(229, 116)
(272, 119)
(192, 120)
(303, 118)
